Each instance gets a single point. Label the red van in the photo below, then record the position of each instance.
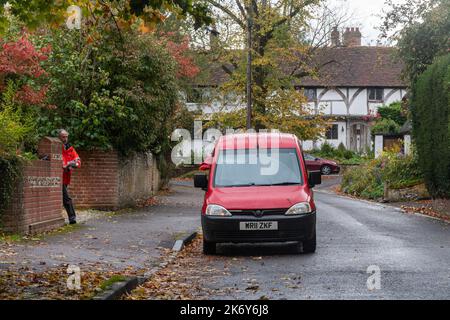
(258, 190)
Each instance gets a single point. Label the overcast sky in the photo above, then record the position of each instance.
(366, 15)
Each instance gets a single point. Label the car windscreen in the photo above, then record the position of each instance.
(257, 167)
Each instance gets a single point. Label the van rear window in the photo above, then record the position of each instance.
(257, 167)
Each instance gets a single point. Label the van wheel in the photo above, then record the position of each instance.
(326, 170)
(309, 246)
(209, 247)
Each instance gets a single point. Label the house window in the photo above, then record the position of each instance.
(376, 94)
(332, 132)
(197, 95)
(310, 94)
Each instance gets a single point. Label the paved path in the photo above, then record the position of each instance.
(116, 241)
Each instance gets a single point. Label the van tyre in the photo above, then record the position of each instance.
(309, 246)
(209, 248)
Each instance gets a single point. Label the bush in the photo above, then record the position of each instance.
(430, 109)
(364, 180)
(393, 112)
(341, 154)
(385, 126)
(111, 93)
(327, 150)
(400, 170)
(395, 170)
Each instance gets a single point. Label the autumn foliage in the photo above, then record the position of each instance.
(179, 50)
(20, 61)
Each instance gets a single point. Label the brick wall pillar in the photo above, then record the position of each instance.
(37, 201)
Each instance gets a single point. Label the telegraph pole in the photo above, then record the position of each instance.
(249, 65)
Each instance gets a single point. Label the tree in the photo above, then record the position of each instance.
(283, 44)
(34, 13)
(23, 88)
(430, 106)
(119, 91)
(420, 28)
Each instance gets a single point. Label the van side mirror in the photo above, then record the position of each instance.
(200, 181)
(206, 165)
(314, 178)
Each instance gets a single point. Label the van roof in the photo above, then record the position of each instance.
(260, 140)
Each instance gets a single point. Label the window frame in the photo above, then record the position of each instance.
(375, 90)
(331, 130)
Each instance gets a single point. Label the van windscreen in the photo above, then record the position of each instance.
(257, 167)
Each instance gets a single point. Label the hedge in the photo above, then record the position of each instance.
(430, 109)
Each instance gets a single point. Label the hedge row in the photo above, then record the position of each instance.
(430, 109)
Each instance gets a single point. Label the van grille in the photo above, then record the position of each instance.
(259, 213)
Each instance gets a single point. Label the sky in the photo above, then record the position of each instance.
(367, 15)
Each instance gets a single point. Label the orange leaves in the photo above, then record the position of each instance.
(426, 210)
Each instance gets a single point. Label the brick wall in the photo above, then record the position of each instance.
(37, 200)
(109, 181)
(104, 181)
(96, 183)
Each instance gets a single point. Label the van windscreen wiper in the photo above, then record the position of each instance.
(286, 183)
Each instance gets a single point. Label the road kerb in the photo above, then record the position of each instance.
(121, 288)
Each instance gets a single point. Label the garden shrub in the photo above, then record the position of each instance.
(339, 154)
(394, 170)
(112, 94)
(385, 126)
(393, 112)
(364, 180)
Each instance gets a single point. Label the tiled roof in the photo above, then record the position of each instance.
(357, 67)
(342, 66)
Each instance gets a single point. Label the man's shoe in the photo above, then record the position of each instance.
(72, 222)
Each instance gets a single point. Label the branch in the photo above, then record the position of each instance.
(228, 12)
(296, 10)
(241, 8)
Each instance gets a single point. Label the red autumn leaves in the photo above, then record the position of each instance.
(179, 50)
(21, 61)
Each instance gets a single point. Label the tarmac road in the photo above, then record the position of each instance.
(354, 239)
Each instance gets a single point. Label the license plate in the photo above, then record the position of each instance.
(258, 225)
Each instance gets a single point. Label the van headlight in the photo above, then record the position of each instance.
(216, 210)
(299, 208)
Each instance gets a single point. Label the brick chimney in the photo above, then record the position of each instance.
(335, 38)
(352, 37)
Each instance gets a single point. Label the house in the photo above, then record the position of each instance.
(353, 81)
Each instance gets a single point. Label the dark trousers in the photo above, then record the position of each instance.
(68, 205)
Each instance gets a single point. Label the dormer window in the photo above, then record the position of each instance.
(376, 94)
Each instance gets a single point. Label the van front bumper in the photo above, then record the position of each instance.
(290, 228)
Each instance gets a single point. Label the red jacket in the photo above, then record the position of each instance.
(70, 160)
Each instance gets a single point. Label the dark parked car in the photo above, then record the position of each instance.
(323, 165)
